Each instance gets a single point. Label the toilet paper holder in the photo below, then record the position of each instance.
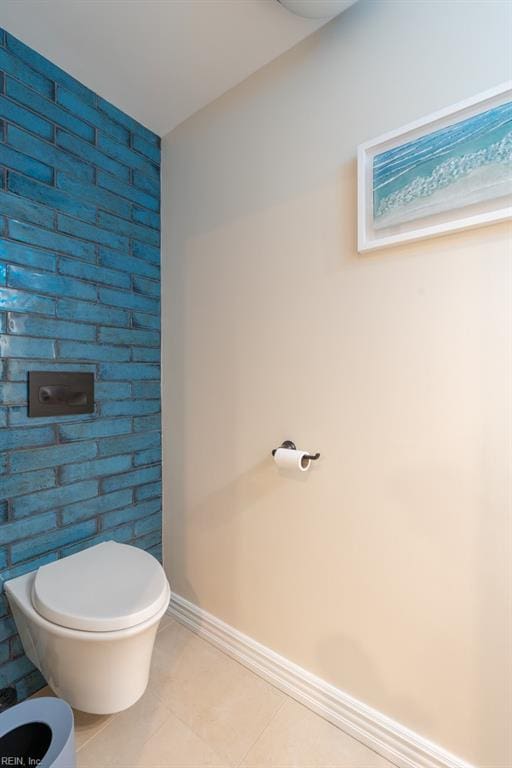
(292, 447)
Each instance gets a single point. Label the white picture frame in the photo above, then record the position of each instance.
(475, 214)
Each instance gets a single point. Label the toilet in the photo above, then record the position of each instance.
(88, 622)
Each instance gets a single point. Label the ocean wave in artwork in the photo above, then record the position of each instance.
(466, 163)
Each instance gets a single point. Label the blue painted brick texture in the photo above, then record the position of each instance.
(79, 291)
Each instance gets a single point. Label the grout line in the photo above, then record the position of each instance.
(96, 733)
(267, 726)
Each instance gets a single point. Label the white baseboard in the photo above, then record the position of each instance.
(388, 738)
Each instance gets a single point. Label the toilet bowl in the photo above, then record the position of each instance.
(88, 622)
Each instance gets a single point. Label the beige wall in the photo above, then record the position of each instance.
(387, 569)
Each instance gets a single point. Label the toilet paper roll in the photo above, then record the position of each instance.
(286, 458)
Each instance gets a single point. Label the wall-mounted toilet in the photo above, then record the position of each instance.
(88, 622)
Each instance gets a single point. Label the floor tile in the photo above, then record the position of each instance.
(297, 738)
(86, 725)
(165, 621)
(225, 704)
(175, 745)
(120, 741)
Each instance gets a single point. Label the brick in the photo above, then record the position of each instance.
(149, 149)
(50, 154)
(143, 423)
(128, 514)
(31, 325)
(125, 155)
(26, 302)
(97, 506)
(83, 311)
(17, 369)
(29, 684)
(29, 257)
(128, 229)
(77, 350)
(13, 393)
(99, 197)
(95, 468)
(148, 218)
(129, 336)
(129, 407)
(21, 346)
(91, 232)
(42, 501)
(15, 669)
(13, 66)
(5, 651)
(148, 524)
(141, 320)
(146, 389)
(16, 207)
(148, 184)
(145, 251)
(149, 491)
(145, 286)
(116, 186)
(128, 371)
(112, 390)
(93, 429)
(110, 446)
(51, 197)
(93, 273)
(128, 300)
(24, 550)
(88, 112)
(52, 240)
(23, 438)
(148, 541)
(50, 110)
(87, 153)
(129, 479)
(151, 456)
(28, 526)
(128, 263)
(145, 354)
(19, 161)
(51, 456)
(59, 285)
(26, 119)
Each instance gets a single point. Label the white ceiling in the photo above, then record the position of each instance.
(158, 60)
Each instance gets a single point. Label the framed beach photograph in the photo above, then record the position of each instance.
(449, 171)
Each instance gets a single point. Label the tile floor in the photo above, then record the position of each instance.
(202, 709)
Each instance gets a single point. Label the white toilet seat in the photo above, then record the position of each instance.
(106, 588)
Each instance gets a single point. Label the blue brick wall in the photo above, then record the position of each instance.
(79, 290)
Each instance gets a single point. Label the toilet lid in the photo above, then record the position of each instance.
(107, 587)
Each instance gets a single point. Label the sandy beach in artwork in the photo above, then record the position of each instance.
(485, 183)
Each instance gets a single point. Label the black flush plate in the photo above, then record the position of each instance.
(60, 394)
